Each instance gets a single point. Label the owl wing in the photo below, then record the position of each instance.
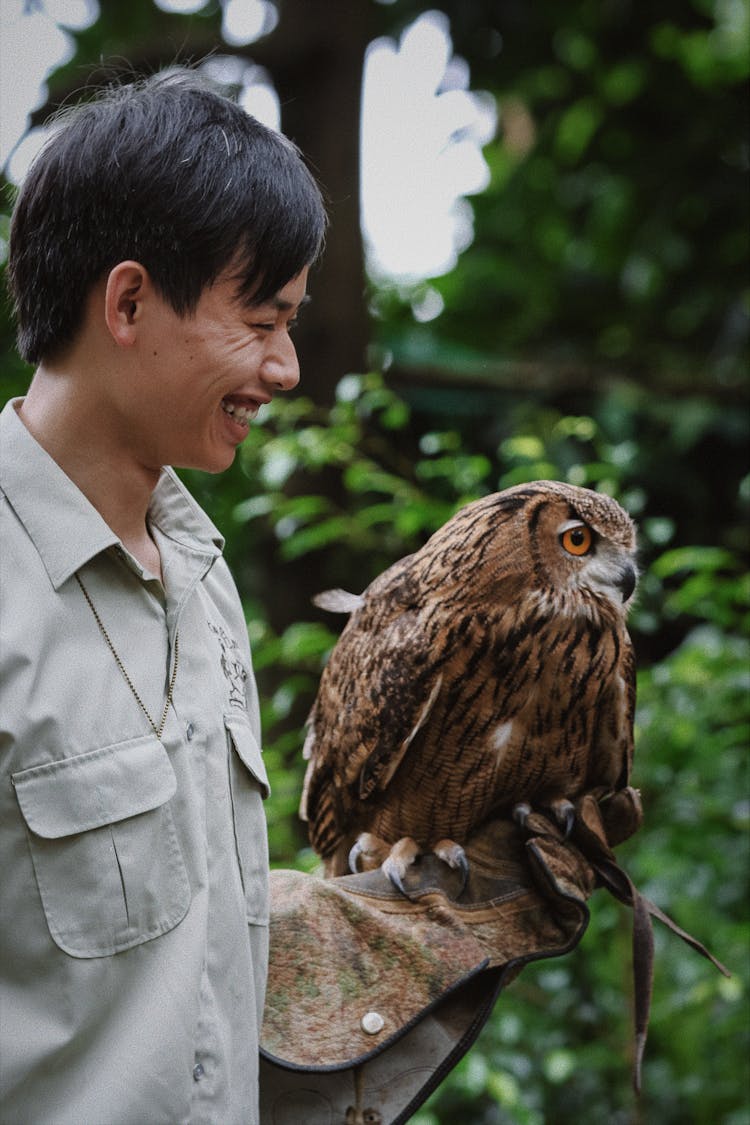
(355, 744)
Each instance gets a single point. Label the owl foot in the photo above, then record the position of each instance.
(521, 813)
(563, 813)
(370, 852)
(367, 853)
(400, 858)
(454, 855)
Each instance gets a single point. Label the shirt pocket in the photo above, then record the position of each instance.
(249, 786)
(106, 856)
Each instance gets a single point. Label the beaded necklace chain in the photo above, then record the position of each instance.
(158, 731)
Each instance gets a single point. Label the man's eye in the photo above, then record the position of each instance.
(271, 326)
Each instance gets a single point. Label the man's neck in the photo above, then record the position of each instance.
(68, 428)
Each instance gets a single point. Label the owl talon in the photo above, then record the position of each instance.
(454, 855)
(463, 867)
(398, 861)
(391, 871)
(367, 853)
(354, 854)
(521, 813)
(565, 815)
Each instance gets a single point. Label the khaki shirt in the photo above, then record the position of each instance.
(133, 870)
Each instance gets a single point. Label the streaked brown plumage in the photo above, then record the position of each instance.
(491, 667)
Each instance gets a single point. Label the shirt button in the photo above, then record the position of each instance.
(372, 1023)
(198, 1072)
(190, 731)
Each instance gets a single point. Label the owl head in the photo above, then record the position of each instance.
(581, 545)
(570, 549)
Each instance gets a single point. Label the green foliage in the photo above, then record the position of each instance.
(614, 232)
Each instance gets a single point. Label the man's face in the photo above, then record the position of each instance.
(202, 378)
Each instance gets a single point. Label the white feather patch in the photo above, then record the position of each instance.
(501, 736)
(338, 601)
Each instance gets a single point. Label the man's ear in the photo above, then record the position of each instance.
(128, 285)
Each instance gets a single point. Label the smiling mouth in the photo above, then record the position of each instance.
(242, 413)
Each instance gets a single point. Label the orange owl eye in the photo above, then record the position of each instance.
(577, 540)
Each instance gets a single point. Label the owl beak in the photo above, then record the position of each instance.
(626, 581)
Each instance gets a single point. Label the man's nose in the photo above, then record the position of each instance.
(281, 366)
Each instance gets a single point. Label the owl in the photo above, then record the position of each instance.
(488, 673)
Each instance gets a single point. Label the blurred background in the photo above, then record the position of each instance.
(537, 267)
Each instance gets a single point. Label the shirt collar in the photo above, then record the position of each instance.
(174, 511)
(64, 526)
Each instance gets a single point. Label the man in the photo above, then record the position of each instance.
(159, 254)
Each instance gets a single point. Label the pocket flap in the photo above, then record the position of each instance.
(100, 787)
(248, 750)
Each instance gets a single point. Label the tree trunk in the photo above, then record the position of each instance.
(315, 57)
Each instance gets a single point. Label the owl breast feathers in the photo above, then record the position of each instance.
(491, 667)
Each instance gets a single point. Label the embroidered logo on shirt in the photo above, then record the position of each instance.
(232, 667)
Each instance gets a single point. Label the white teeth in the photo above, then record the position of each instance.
(241, 414)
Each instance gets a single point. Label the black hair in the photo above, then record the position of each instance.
(170, 173)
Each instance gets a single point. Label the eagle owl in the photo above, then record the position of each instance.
(489, 670)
